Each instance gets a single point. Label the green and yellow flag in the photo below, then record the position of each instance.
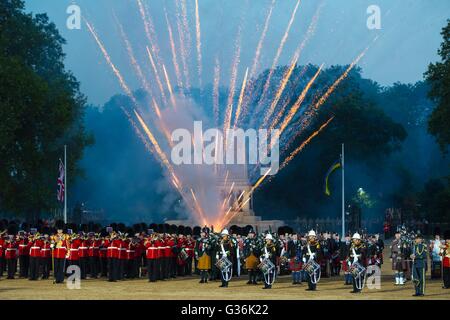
(336, 165)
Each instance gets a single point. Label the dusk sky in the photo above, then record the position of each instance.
(408, 39)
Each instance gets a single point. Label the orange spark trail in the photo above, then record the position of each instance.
(199, 43)
(228, 197)
(169, 86)
(261, 40)
(294, 60)
(279, 51)
(300, 148)
(182, 35)
(299, 102)
(173, 51)
(149, 31)
(110, 63)
(136, 65)
(216, 90)
(232, 87)
(287, 101)
(281, 87)
(241, 97)
(158, 79)
(156, 148)
(315, 107)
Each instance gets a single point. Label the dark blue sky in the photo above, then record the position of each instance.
(408, 41)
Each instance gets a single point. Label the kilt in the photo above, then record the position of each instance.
(398, 264)
(295, 265)
(204, 262)
(345, 266)
(251, 262)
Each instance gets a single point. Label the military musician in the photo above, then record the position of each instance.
(251, 253)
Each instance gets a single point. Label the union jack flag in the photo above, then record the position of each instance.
(61, 182)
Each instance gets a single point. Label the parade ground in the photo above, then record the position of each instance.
(189, 288)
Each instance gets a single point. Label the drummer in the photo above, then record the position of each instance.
(269, 252)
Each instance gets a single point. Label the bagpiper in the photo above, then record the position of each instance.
(419, 258)
(295, 256)
(357, 258)
(152, 244)
(311, 257)
(35, 255)
(398, 259)
(251, 257)
(203, 255)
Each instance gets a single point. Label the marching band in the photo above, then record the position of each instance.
(164, 255)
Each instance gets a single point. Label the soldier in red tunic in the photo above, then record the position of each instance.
(94, 243)
(83, 254)
(24, 254)
(35, 255)
(2, 253)
(11, 248)
(122, 255)
(45, 256)
(59, 249)
(131, 258)
(112, 255)
(73, 244)
(152, 244)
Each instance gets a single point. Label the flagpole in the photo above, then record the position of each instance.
(343, 193)
(65, 183)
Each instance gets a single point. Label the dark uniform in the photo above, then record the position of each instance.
(225, 247)
(251, 257)
(295, 255)
(203, 257)
(311, 252)
(269, 252)
(357, 255)
(419, 257)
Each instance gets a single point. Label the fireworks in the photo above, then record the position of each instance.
(195, 185)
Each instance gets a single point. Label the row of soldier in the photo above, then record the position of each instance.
(162, 256)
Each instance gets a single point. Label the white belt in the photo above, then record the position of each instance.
(130, 250)
(9, 249)
(83, 248)
(35, 247)
(45, 249)
(73, 249)
(23, 245)
(112, 248)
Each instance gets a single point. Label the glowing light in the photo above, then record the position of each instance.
(173, 51)
(279, 51)
(199, 43)
(216, 92)
(169, 87)
(158, 80)
(241, 97)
